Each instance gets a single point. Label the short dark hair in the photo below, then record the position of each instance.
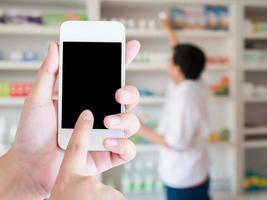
(191, 60)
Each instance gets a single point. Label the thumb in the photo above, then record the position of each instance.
(43, 86)
(75, 158)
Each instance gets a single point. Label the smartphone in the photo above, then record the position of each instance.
(91, 70)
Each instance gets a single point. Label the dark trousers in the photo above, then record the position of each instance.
(200, 192)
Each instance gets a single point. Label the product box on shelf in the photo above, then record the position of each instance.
(14, 89)
(35, 17)
(201, 18)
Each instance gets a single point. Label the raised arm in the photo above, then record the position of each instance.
(166, 23)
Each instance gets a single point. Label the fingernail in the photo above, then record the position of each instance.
(114, 120)
(111, 142)
(87, 115)
(125, 95)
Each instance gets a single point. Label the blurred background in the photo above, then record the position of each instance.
(233, 34)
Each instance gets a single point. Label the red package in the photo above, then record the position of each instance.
(14, 89)
(26, 89)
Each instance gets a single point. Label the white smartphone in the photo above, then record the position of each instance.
(91, 70)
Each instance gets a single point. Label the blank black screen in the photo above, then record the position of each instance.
(91, 75)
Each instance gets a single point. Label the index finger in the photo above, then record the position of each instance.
(75, 158)
(128, 96)
(132, 49)
(43, 86)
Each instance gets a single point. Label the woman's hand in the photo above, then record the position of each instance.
(35, 158)
(74, 180)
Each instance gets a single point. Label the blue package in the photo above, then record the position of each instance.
(146, 92)
(211, 14)
(30, 56)
(177, 18)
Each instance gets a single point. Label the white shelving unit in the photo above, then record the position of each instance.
(252, 141)
(256, 99)
(11, 102)
(28, 30)
(24, 66)
(163, 66)
(255, 36)
(255, 144)
(151, 100)
(4, 101)
(182, 34)
(258, 67)
(153, 75)
(258, 131)
(135, 67)
(64, 3)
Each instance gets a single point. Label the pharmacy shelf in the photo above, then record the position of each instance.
(48, 2)
(152, 148)
(255, 131)
(256, 36)
(205, 34)
(145, 67)
(255, 144)
(31, 30)
(146, 33)
(16, 65)
(147, 148)
(11, 65)
(223, 196)
(151, 100)
(141, 67)
(182, 34)
(221, 99)
(255, 196)
(218, 67)
(219, 2)
(11, 101)
(207, 37)
(256, 67)
(160, 100)
(54, 31)
(221, 145)
(256, 100)
(143, 101)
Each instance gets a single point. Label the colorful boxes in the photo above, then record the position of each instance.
(14, 89)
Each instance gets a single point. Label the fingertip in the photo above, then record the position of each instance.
(124, 96)
(110, 143)
(85, 121)
(124, 147)
(87, 115)
(112, 120)
(52, 47)
(128, 95)
(136, 44)
(132, 49)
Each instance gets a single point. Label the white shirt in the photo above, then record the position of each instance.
(184, 124)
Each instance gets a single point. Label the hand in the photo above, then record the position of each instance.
(165, 21)
(35, 154)
(74, 180)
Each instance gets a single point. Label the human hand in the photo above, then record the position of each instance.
(74, 181)
(35, 154)
(165, 21)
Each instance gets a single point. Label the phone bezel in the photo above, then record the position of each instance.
(89, 31)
